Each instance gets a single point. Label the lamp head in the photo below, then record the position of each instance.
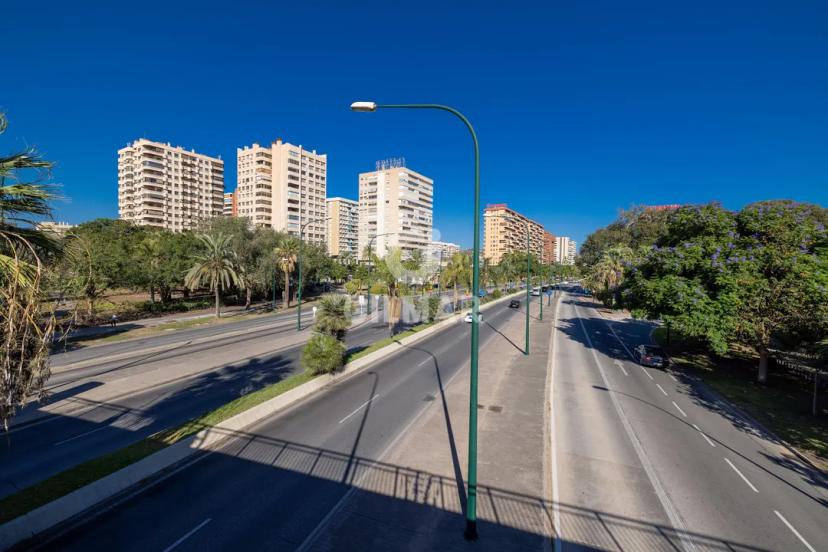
(364, 106)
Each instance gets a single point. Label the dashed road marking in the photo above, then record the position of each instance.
(679, 409)
(794, 531)
(745, 479)
(660, 388)
(706, 438)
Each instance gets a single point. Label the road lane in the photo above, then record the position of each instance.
(714, 489)
(270, 488)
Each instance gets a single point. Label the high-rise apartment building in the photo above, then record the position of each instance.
(564, 250)
(343, 221)
(229, 209)
(548, 247)
(395, 204)
(504, 230)
(283, 186)
(167, 186)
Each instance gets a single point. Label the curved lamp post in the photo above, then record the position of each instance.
(299, 289)
(471, 496)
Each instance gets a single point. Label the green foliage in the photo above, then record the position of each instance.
(216, 266)
(607, 275)
(323, 354)
(434, 303)
(333, 316)
(496, 294)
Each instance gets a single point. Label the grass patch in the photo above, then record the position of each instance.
(81, 475)
(783, 405)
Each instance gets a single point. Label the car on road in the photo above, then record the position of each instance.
(650, 355)
(468, 317)
(536, 292)
(514, 304)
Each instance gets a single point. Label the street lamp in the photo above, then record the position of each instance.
(528, 276)
(471, 495)
(299, 289)
(370, 243)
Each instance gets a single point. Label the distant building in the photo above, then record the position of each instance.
(343, 221)
(168, 187)
(444, 249)
(504, 230)
(283, 186)
(671, 207)
(56, 228)
(395, 204)
(564, 250)
(548, 248)
(229, 204)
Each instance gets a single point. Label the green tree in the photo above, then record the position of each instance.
(332, 316)
(215, 267)
(752, 278)
(287, 250)
(607, 275)
(323, 354)
(458, 272)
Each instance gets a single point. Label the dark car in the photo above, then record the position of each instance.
(514, 304)
(650, 355)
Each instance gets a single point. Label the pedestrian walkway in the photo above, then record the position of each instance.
(425, 471)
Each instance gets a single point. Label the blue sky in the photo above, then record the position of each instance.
(582, 107)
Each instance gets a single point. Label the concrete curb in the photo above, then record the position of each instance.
(84, 499)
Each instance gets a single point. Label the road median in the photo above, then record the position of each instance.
(78, 490)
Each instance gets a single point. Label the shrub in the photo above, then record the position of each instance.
(434, 303)
(323, 354)
(496, 294)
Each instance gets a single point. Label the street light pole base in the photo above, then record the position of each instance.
(470, 534)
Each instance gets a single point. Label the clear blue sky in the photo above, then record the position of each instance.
(582, 107)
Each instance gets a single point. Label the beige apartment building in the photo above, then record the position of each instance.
(343, 221)
(283, 186)
(504, 230)
(444, 250)
(396, 201)
(168, 186)
(229, 208)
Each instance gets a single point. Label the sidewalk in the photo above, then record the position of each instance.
(413, 498)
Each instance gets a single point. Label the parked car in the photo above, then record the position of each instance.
(514, 304)
(536, 292)
(468, 317)
(650, 355)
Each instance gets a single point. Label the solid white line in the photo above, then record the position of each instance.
(556, 501)
(661, 494)
(794, 531)
(679, 409)
(706, 438)
(360, 407)
(660, 388)
(81, 435)
(645, 371)
(188, 535)
(745, 479)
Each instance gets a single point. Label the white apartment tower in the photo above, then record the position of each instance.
(564, 250)
(167, 186)
(343, 221)
(283, 186)
(398, 202)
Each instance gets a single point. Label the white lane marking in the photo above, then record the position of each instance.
(706, 438)
(360, 407)
(794, 531)
(660, 388)
(188, 535)
(645, 371)
(81, 435)
(672, 377)
(620, 365)
(661, 494)
(679, 409)
(423, 363)
(556, 501)
(618, 338)
(745, 479)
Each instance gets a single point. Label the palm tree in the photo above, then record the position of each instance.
(458, 272)
(332, 316)
(607, 275)
(215, 266)
(287, 249)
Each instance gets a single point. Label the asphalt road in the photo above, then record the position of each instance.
(34, 451)
(648, 459)
(268, 489)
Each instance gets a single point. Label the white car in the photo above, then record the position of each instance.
(536, 292)
(468, 317)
